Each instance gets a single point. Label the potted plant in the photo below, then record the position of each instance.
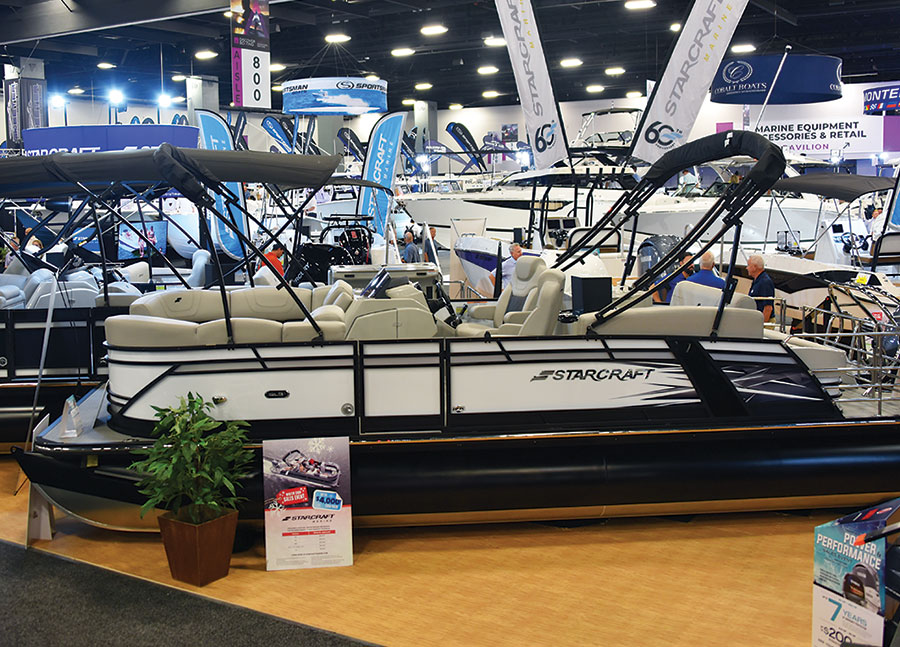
(193, 470)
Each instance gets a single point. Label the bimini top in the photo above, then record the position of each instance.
(49, 175)
(833, 185)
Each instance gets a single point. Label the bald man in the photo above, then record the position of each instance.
(763, 286)
(706, 276)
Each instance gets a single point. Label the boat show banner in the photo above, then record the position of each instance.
(339, 95)
(251, 79)
(308, 518)
(93, 139)
(677, 98)
(526, 54)
(381, 160)
(215, 135)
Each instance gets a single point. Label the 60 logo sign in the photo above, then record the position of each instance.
(544, 137)
(660, 134)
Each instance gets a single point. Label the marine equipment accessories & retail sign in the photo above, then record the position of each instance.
(526, 54)
(677, 98)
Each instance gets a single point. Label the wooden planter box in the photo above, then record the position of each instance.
(198, 554)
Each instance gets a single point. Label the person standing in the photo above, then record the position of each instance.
(410, 252)
(687, 182)
(509, 266)
(706, 276)
(762, 286)
(274, 257)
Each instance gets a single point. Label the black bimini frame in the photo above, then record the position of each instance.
(731, 206)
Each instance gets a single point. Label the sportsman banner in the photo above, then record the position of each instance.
(677, 98)
(533, 82)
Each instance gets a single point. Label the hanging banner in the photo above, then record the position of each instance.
(526, 54)
(92, 139)
(381, 160)
(876, 100)
(306, 484)
(215, 135)
(804, 78)
(678, 96)
(338, 95)
(251, 80)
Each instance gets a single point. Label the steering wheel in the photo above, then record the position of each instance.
(852, 241)
(454, 319)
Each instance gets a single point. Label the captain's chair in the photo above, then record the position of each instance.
(541, 320)
(515, 302)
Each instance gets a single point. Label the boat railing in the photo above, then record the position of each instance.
(872, 349)
(464, 290)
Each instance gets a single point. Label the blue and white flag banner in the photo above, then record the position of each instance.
(381, 160)
(339, 95)
(678, 96)
(526, 54)
(876, 100)
(215, 135)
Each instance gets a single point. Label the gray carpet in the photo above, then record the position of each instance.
(46, 601)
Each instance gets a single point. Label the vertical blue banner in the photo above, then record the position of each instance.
(381, 160)
(215, 135)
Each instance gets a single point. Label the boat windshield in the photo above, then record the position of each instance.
(568, 180)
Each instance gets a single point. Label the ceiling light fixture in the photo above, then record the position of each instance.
(634, 94)
(103, 65)
(76, 90)
(423, 86)
(277, 88)
(116, 97)
(488, 69)
(178, 78)
(402, 51)
(205, 54)
(494, 41)
(675, 26)
(164, 101)
(336, 38)
(745, 48)
(277, 67)
(570, 62)
(490, 94)
(372, 77)
(615, 71)
(228, 14)
(455, 106)
(408, 102)
(433, 30)
(177, 99)
(57, 101)
(594, 88)
(634, 5)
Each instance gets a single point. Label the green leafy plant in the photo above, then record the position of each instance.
(194, 467)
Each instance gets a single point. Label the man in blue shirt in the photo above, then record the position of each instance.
(706, 276)
(410, 252)
(763, 286)
(664, 295)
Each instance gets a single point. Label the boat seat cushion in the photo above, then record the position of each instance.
(187, 305)
(695, 294)
(340, 294)
(11, 297)
(269, 303)
(690, 321)
(39, 276)
(246, 331)
(136, 331)
(15, 280)
(398, 318)
(299, 331)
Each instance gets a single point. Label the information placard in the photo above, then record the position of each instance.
(307, 503)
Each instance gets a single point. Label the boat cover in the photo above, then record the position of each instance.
(33, 177)
(834, 185)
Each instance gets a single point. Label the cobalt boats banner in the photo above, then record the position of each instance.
(526, 54)
(805, 78)
(381, 160)
(334, 96)
(93, 139)
(677, 98)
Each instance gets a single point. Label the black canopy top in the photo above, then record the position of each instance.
(34, 177)
(833, 185)
(769, 158)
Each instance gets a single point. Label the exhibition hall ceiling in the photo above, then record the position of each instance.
(601, 34)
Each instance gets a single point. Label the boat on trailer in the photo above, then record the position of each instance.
(625, 411)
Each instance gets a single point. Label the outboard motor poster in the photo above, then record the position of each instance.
(381, 160)
(526, 54)
(306, 484)
(676, 100)
(216, 135)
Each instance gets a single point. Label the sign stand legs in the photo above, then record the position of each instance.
(41, 522)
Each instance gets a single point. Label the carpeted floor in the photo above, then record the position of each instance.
(47, 601)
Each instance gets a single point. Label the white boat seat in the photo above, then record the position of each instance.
(199, 261)
(130, 331)
(517, 297)
(244, 329)
(137, 272)
(15, 280)
(121, 295)
(187, 305)
(687, 293)
(339, 293)
(264, 277)
(691, 321)
(11, 297)
(39, 276)
(541, 320)
(269, 303)
(400, 318)
(330, 322)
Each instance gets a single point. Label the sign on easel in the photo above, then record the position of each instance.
(306, 484)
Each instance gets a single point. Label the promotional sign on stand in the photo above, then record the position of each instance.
(308, 518)
(379, 167)
(251, 78)
(853, 589)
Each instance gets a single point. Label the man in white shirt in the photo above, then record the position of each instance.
(687, 182)
(509, 265)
